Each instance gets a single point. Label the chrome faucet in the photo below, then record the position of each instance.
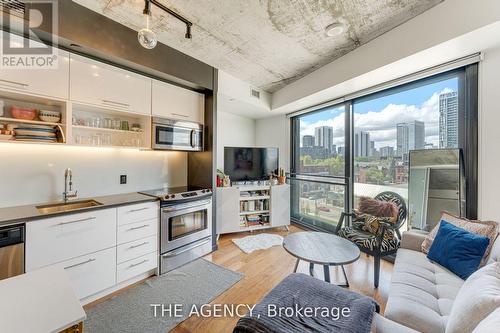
(67, 194)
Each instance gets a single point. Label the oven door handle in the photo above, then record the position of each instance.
(176, 253)
(173, 209)
(192, 138)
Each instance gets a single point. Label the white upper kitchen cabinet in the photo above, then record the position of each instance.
(48, 82)
(174, 102)
(96, 83)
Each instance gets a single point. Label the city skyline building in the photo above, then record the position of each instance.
(387, 151)
(323, 136)
(409, 136)
(448, 120)
(308, 141)
(361, 144)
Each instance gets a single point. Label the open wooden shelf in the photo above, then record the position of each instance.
(34, 122)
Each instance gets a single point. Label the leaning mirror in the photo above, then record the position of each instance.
(436, 181)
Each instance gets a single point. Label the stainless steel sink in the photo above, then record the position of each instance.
(66, 207)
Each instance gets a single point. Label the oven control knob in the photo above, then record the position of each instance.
(167, 197)
(172, 196)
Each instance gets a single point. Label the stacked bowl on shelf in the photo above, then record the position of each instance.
(26, 131)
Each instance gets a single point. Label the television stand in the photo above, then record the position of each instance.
(252, 207)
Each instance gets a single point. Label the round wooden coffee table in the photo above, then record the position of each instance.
(322, 249)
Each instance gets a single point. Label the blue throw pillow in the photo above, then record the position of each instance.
(458, 250)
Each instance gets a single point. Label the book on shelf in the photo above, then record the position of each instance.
(253, 223)
(256, 205)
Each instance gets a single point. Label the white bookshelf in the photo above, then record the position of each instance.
(248, 208)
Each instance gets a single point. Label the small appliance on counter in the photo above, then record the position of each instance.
(169, 134)
(185, 225)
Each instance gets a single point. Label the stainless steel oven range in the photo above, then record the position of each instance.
(185, 225)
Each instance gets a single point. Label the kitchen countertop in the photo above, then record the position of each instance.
(39, 301)
(21, 214)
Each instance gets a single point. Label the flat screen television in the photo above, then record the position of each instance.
(250, 164)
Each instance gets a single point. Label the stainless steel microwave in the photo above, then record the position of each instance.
(170, 134)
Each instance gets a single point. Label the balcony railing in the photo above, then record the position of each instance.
(318, 200)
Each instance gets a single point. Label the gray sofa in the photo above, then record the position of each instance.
(422, 293)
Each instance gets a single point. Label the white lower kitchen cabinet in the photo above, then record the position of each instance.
(57, 239)
(92, 273)
(137, 248)
(134, 267)
(102, 250)
(137, 230)
(138, 212)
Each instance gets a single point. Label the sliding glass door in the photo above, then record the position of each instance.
(361, 147)
(320, 153)
(390, 124)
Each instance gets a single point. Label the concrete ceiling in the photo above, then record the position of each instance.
(267, 43)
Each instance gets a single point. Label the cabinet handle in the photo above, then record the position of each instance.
(137, 210)
(81, 220)
(107, 101)
(138, 245)
(180, 115)
(23, 85)
(80, 263)
(142, 226)
(139, 263)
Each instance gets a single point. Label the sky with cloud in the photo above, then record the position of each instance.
(380, 116)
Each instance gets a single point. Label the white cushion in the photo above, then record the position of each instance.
(422, 293)
(495, 251)
(478, 297)
(489, 324)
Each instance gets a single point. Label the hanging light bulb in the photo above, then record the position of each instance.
(147, 37)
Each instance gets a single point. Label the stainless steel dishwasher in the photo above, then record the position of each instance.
(11, 251)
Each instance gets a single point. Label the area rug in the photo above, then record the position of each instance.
(196, 283)
(258, 242)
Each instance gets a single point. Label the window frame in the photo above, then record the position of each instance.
(467, 135)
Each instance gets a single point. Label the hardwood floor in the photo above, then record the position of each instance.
(264, 269)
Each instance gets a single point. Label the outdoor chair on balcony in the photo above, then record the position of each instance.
(376, 235)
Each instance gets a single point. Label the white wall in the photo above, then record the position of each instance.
(489, 135)
(275, 132)
(233, 131)
(35, 173)
(237, 89)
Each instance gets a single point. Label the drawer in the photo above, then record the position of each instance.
(57, 239)
(132, 268)
(137, 230)
(136, 248)
(139, 212)
(92, 273)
